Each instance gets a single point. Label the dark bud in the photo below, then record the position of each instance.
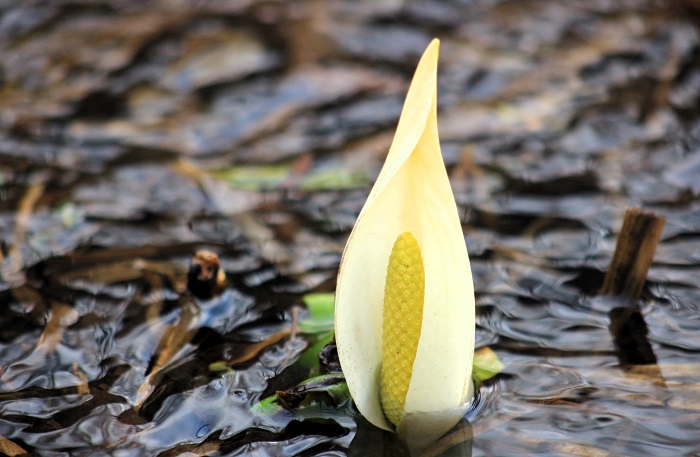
(329, 358)
(205, 278)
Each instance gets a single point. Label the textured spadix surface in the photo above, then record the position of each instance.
(412, 194)
(404, 294)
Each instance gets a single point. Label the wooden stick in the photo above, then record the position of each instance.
(641, 232)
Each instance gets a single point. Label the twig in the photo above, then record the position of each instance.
(24, 212)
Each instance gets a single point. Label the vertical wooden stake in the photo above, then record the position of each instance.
(641, 231)
(625, 278)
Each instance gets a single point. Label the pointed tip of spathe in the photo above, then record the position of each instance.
(432, 50)
(428, 65)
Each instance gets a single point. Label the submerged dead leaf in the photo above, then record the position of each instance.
(128, 270)
(176, 336)
(253, 350)
(173, 342)
(192, 450)
(61, 317)
(83, 388)
(10, 449)
(24, 212)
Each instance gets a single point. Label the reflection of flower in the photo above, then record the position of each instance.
(404, 314)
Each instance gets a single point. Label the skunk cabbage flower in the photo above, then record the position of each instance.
(404, 316)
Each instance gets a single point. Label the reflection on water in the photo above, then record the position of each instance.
(133, 134)
(370, 440)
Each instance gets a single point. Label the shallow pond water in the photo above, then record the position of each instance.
(133, 134)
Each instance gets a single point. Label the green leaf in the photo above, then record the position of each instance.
(309, 358)
(70, 214)
(334, 179)
(220, 367)
(273, 177)
(267, 407)
(321, 307)
(325, 389)
(486, 364)
(333, 385)
(267, 177)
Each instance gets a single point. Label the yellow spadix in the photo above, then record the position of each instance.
(404, 315)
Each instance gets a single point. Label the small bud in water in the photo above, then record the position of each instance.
(205, 278)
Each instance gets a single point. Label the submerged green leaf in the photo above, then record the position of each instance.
(329, 389)
(320, 318)
(220, 367)
(267, 177)
(273, 177)
(267, 407)
(334, 178)
(309, 359)
(70, 214)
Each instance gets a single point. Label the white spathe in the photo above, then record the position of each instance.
(411, 194)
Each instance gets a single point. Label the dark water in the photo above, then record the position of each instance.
(134, 133)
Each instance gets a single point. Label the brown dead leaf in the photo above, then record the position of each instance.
(127, 270)
(9, 448)
(253, 350)
(174, 340)
(62, 317)
(83, 388)
(24, 212)
(177, 335)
